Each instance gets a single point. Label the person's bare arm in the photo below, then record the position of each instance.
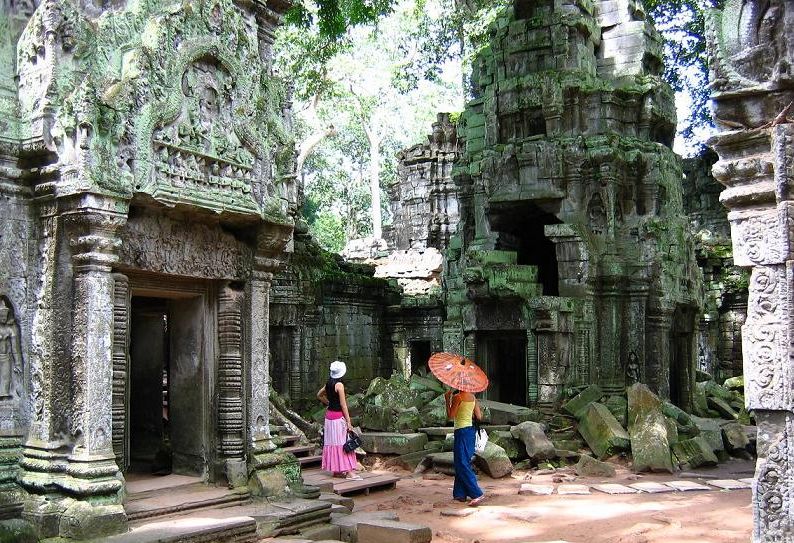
(453, 406)
(477, 410)
(322, 396)
(340, 389)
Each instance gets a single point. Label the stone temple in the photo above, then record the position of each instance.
(146, 171)
(157, 283)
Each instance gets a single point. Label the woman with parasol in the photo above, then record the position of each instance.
(463, 375)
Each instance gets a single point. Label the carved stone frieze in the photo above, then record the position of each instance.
(177, 247)
(230, 371)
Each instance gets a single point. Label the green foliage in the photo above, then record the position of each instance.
(329, 231)
(333, 18)
(682, 23)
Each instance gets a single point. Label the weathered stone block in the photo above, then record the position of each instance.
(17, 531)
(734, 437)
(392, 443)
(577, 405)
(695, 452)
(590, 467)
(648, 429)
(512, 446)
(494, 461)
(536, 444)
(723, 408)
(710, 429)
(504, 413)
(378, 418)
(408, 420)
(618, 406)
(348, 524)
(392, 531)
(82, 520)
(602, 432)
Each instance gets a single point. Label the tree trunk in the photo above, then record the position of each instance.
(374, 181)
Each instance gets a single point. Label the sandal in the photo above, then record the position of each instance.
(477, 501)
(353, 477)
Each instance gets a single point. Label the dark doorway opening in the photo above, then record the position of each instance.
(521, 228)
(503, 357)
(280, 359)
(420, 354)
(166, 386)
(682, 357)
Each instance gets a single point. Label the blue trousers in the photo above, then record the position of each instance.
(462, 452)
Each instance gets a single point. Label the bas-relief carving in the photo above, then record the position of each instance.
(11, 365)
(164, 245)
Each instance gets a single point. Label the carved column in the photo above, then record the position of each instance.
(257, 372)
(751, 55)
(121, 367)
(296, 375)
(44, 453)
(230, 371)
(92, 224)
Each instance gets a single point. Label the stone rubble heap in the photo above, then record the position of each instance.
(406, 419)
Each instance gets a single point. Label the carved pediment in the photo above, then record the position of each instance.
(199, 157)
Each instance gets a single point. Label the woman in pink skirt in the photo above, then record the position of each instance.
(337, 423)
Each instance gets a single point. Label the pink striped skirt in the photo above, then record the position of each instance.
(335, 459)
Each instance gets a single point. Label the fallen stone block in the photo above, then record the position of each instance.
(729, 484)
(494, 461)
(392, 531)
(512, 446)
(734, 437)
(348, 524)
(611, 488)
(392, 443)
(601, 431)
(618, 406)
(378, 418)
(322, 532)
(568, 444)
(505, 413)
(648, 430)
(590, 467)
(408, 420)
(723, 408)
(441, 462)
(711, 431)
(408, 461)
(685, 486)
(734, 383)
(695, 452)
(577, 405)
(713, 390)
(651, 487)
(336, 499)
(423, 384)
(536, 444)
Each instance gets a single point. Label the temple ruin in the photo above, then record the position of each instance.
(146, 168)
(157, 283)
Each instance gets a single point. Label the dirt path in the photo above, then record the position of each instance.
(507, 517)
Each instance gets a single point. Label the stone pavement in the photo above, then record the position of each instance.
(649, 487)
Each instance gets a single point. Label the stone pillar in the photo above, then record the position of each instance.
(230, 382)
(751, 56)
(45, 450)
(258, 371)
(296, 375)
(92, 224)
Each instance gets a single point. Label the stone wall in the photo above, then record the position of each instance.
(573, 261)
(324, 309)
(725, 285)
(750, 47)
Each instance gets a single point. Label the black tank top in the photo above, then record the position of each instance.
(333, 396)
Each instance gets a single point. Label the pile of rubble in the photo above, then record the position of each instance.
(406, 418)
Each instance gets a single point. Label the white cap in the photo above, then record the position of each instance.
(338, 369)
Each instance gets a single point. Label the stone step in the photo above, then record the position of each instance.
(287, 439)
(393, 531)
(189, 530)
(310, 460)
(300, 450)
(180, 500)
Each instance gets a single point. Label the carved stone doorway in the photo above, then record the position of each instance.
(168, 408)
(503, 356)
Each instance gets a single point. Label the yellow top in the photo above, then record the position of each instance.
(463, 418)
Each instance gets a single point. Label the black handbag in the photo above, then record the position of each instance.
(353, 442)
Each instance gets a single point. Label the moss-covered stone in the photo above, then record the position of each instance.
(602, 432)
(577, 405)
(648, 429)
(695, 452)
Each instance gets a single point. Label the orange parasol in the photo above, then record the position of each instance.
(458, 372)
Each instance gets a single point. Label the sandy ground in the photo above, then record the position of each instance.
(507, 517)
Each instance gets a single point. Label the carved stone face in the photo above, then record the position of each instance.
(5, 312)
(209, 107)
